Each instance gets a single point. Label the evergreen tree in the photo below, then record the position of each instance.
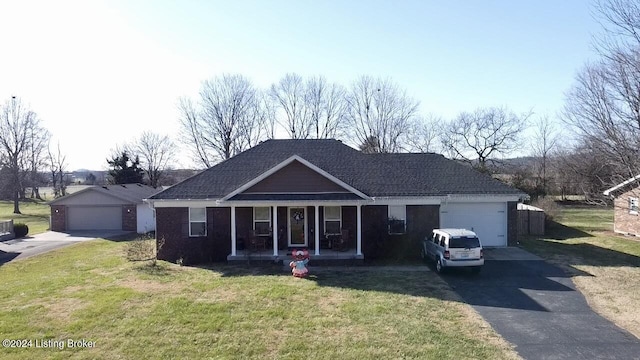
(124, 170)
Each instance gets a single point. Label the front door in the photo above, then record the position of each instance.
(297, 226)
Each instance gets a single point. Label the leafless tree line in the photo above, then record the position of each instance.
(374, 114)
(25, 152)
(603, 106)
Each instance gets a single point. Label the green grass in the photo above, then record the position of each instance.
(605, 266)
(34, 213)
(134, 310)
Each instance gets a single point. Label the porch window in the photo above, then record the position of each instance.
(397, 219)
(197, 222)
(633, 205)
(262, 220)
(332, 220)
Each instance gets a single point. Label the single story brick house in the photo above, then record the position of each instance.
(108, 207)
(625, 204)
(330, 198)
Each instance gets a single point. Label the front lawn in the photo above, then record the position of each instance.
(134, 310)
(605, 266)
(34, 213)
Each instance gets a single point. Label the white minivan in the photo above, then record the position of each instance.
(453, 248)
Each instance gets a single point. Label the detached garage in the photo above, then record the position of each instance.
(110, 207)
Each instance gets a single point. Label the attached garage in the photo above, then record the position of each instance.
(487, 219)
(111, 207)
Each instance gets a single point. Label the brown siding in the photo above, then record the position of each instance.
(295, 177)
(512, 223)
(623, 221)
(129, 218)
(59, 218)
(172, 232)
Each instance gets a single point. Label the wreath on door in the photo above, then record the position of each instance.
(298, 215)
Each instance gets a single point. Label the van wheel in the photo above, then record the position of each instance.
(439, 267)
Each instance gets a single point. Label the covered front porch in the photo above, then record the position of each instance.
(331, 230)
(285, 256)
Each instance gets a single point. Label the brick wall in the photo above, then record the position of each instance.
(172, 231)
(129, 218)
(58, 218)
(623, 221)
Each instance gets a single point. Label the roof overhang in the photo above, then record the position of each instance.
(306, 163)
(609, 192)
(95, 188)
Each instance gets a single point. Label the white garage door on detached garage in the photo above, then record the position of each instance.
(94, 218)
(488, 220)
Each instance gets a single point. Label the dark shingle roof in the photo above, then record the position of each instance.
(373, 174)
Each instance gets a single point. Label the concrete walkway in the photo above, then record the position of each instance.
(40, 243)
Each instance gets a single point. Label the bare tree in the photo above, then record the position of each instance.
(17, 122)
(326, 107)
(217, 128)
(477, 137)
(603, 106)
(378, 108)
(57, 167)
(36, 159)
(156, 152)
(290, 98)
(545, 139)
(423, 135)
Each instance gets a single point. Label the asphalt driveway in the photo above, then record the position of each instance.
(535, 306)
(40, 243)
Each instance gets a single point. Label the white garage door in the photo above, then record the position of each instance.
(488, 220)
(94, 218)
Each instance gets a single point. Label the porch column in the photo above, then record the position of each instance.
(316, 231)
(359, 230)
(275, 230)
(233, 231)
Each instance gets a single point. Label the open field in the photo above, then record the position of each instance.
(34, 213)
(605, 266)
(134, 310)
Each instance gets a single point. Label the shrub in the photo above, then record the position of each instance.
(550, 207)
(141, 249)
(20, 229)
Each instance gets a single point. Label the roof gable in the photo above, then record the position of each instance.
(295, 175)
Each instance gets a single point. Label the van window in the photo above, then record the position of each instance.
(464, 243)
(435, 238)
(442, 240)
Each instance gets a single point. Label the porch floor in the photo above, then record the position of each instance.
(285, 255)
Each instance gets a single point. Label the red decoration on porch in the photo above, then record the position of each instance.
(299, 264)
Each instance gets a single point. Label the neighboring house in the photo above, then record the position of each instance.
(110, 207)
(625, 204)
(326, 196)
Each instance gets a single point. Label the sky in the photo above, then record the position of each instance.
(99, 73)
